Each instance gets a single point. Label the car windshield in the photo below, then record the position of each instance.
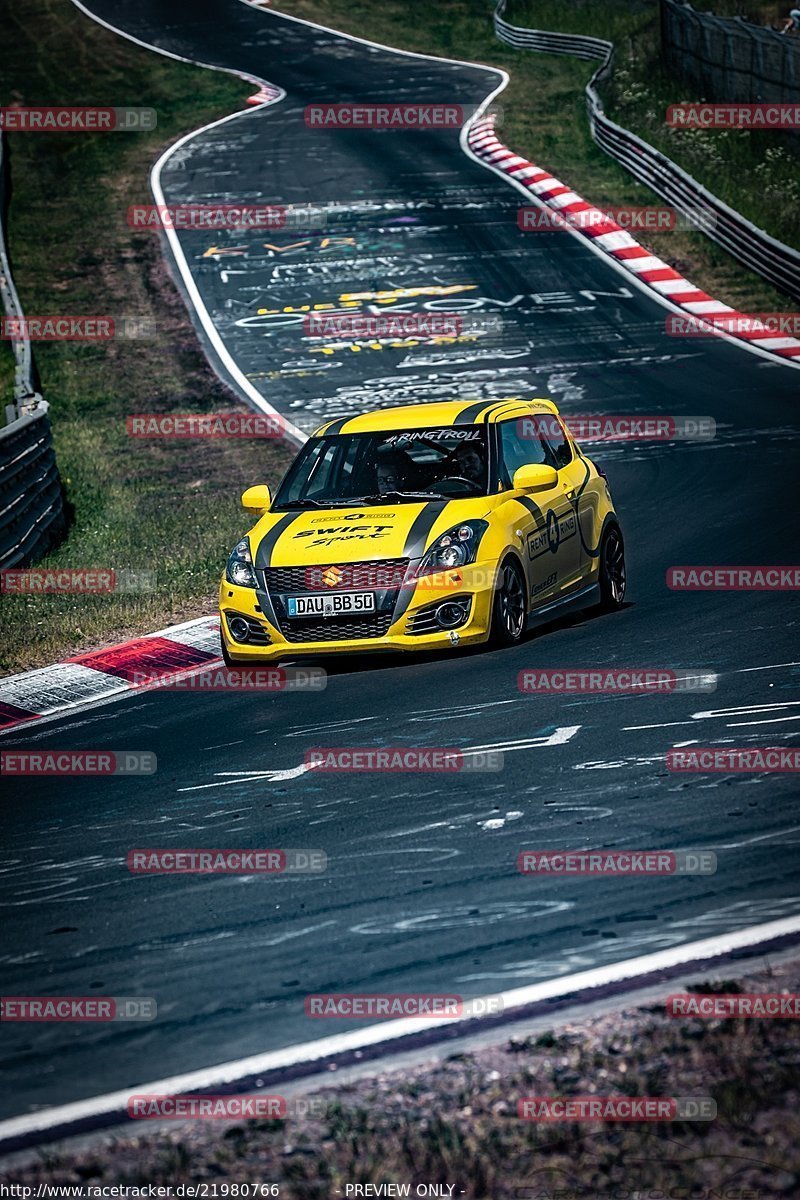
(403, 466)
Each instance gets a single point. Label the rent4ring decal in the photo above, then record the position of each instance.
(558, 530)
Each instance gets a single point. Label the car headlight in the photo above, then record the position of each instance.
(455, 548)
(240, 566)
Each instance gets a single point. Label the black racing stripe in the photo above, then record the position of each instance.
(415, 548)
(266, 607)
(423, 524)
(484, 409)
(263, 555)
(336, 426)
(498, 415)
(533, 509)
(267, 544)
(467, 417)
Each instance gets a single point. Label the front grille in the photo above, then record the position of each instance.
(337, 629)
(382, 577)
(355, 577)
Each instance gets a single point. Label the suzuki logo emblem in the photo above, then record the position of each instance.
(332, 576)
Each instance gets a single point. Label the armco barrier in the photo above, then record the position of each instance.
(776, 262)
(31, 501)
(31, 508)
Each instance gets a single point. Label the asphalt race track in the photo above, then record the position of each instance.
(422, 891)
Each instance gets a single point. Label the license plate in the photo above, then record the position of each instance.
(330, 606)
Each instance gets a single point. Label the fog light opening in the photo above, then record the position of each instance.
(240, 630)
(450, 615)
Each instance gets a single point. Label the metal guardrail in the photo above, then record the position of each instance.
(31, 500)
(775, 261)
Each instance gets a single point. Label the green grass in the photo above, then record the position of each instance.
(170, 506)
(544, 111)
(756, 173)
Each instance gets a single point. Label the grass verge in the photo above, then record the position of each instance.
(455, 1124)
(544, 111)
(755, 172)
(172, 506)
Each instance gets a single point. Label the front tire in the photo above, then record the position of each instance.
(226, 658)
(613, 576)
(509, 606)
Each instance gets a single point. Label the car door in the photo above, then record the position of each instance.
(572, 473)
(544, 521)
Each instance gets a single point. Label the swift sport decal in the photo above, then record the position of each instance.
(343, 533)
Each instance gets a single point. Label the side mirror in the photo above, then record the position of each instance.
(535, 477)
(257, 499)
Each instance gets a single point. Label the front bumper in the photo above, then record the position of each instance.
(471, 586)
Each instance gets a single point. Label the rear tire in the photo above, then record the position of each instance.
(509, 607)
(613, 577)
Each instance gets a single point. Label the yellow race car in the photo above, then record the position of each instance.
(422, 527)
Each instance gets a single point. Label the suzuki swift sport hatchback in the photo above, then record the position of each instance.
(422, 527)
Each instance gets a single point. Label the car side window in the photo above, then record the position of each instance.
(520, 445)
(559, 443)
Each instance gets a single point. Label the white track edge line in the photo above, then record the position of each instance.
(607, 257)
(291, 432)
(390, 1031)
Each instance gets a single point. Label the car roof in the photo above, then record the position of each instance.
(453, 412)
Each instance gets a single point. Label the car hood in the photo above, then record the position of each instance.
(340, 535)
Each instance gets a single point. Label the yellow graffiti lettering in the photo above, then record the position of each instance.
(408, 293)
(216, 251)
(281, 249)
